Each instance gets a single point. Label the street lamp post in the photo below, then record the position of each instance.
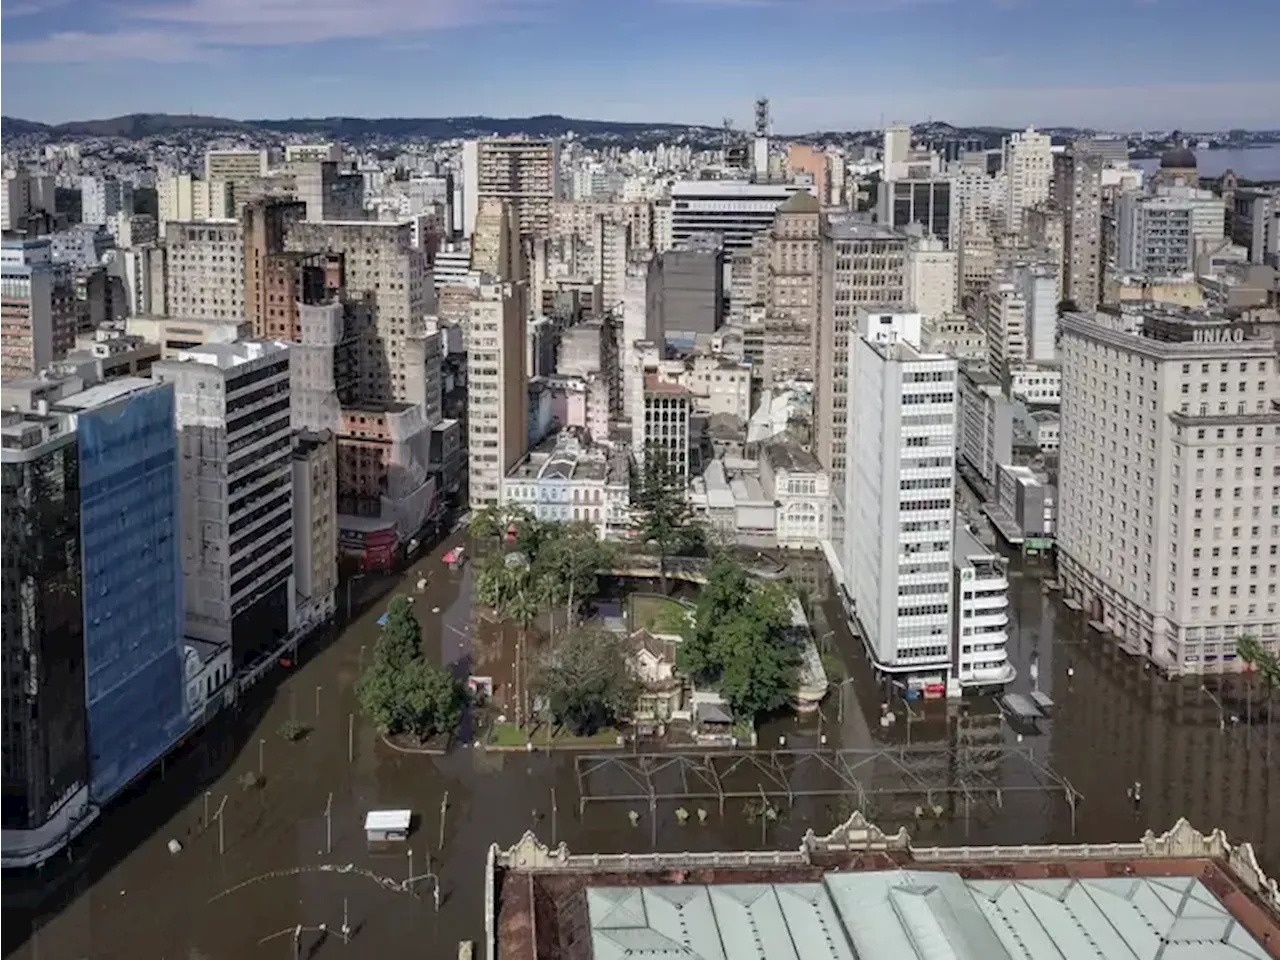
(262, 742)
(1222, 713)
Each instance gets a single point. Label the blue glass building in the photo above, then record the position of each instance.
(133, 622)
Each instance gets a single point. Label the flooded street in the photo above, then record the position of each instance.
(124, 895)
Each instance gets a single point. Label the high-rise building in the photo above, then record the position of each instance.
(611, 252)
(315, 525)
(495, 241)
(900, 496)
(24, 194)
(932, 278)
(233, 422)
(183, 197)
(382, 267)
(524, 171)
(204, 270)
(326, 192)
(101, 198)
(276, 281)
(685, 288)
(45, 752)
(918, 200)
(1170, 483)
(238, 168)
(1160, 235)
(863, 264)
(804, 158)
(793, 282)
(497, 393)
(1077, 193)
(737, 211)
(1027, 172)
(132, 577)
(37, 308)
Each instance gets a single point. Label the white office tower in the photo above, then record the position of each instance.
(1028, 174)
(235, 474)
(900, 498)
(610, 248)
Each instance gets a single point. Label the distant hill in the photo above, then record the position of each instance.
(139, 125)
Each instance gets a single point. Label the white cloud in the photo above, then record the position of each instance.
(31, 8)
(281, 22)
(73, 46)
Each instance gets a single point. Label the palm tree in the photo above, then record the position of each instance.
(1267, 665)
(506, 584)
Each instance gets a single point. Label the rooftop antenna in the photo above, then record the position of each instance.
(762, 117)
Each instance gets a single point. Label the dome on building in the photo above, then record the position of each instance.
(1179, 158)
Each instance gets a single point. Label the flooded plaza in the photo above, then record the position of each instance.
(283, 862)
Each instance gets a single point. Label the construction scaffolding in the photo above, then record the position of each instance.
(926, 774)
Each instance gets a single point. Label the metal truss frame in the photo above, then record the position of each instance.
(927, 773)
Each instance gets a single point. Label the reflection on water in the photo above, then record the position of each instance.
(1114, 722)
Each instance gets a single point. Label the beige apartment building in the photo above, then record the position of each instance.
(382, 267)
(239, 168)
(578, 218)
(1027, 172)
(1169, 508)
(497, 390)
(863, 265)
(521, 170)
(495, 243)
(186, 198)
(204, 269)
(792, 288)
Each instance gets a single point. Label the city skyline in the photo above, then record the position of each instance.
(825, 64)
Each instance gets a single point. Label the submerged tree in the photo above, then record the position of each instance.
(587, 681)
(739, 643)
(399, 690)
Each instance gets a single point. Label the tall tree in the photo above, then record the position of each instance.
(487, 523)
(401, 640)
(587, 681)
(574, 556)
(399, 690)
(660, 506)
(507, 584)
(1267, 664)
(739, 641)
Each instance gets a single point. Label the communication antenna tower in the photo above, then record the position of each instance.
(762, 117)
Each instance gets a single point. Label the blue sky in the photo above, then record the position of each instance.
(1195, 64)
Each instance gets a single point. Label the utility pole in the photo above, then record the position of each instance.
(409, 882)
(444, 807)
(317, 701)
(205, 822)
(221, 836)
(553, 816)
(262, 742)
(351, 738)
(346, 927)
(328, 825)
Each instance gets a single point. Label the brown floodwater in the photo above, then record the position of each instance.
(122, 894)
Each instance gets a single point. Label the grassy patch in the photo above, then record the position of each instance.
(542, 736)
(657, 614)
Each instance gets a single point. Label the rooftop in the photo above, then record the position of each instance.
(104, 393)
(860, 894)
(226, 356)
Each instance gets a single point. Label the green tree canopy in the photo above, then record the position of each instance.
(572, 556)
(1267, 664)
(399, 690)
(401, 640)
(587, 681)
(660, 506)
(739, 642)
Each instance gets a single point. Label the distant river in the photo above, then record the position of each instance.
(1258, 163)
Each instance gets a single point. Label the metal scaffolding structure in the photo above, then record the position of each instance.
(925, 773)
